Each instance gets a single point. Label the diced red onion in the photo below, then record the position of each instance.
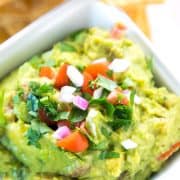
(80, 102)
(75, 76)
(61, 132)
(119, 65)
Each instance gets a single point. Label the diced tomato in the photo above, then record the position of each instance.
(46, 71)
(64, 123)
(83, 127)
(44, 118)
(124, 101)
(113, 96)
(169, 152)
(87, 79)
(75, 142)
(118, 31)
(62, 78)
(97, 69)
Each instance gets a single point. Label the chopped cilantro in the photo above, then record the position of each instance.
(122, 117)
(33, 137)
(109, 73)
(49, 106)
(125, 123)
(50, 63)
(16, 99)
(132, 95)
(20, 92)
(19, 173)
(106, 132)
(127, 82)
(106, 83)
(108, 155)
(36, 62)
(100, 146)
(103, 105)
(62, 115)
(32, 104)
(87, 96)
(92, 84)
(123, 112)
(77, 115)
(66, 47)
(35, 132)
(40, 90)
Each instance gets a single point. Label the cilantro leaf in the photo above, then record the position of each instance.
(122, 117)
(16, 99)
(66, 47)
(123, 112)
(127, 82)
(104, 106)
(120, 123)
(109, 73)
(108, 155)
(35, 132)
(40, 90)
(132, 96)
(106, 132)
(106, 83)
(49, 106)
(33, 137)
(77, 115)
(62, 115)
(32, 105)
(100, 146)
(19, 173)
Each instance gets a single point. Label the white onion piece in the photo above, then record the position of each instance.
(75, 76)
(119, 65)
(97, 93)
(80, 102)
(61, 132)
(137, 99)
(129, 144)
(66, 94)
(100, 60)
(89, 121)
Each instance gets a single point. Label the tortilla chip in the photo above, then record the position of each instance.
(16, 14)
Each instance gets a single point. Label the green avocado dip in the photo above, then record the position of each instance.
(87, 109)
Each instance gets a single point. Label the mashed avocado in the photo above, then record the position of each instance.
(86, 109)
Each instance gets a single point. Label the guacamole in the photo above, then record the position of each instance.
(87, 109)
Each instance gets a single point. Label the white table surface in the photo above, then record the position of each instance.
(164, 22)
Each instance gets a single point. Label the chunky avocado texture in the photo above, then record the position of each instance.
(155, 126)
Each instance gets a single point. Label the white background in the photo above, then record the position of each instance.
(164, 20)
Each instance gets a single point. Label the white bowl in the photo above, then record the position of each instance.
(72, 16)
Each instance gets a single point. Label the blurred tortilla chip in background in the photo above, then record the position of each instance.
(16, 14)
